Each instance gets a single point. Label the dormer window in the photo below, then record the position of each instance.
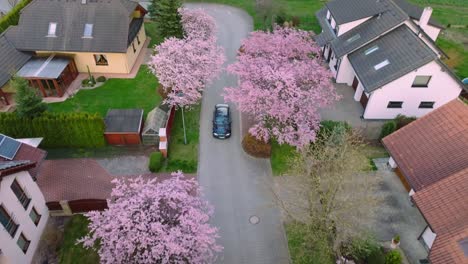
(370, 50)
(52, 29)
(88, 31)
(353, 38)
(381, 65)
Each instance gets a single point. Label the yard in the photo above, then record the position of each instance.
(139, 92)
(70, 252)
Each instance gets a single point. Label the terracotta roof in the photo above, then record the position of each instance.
(14, 166)
(27, 152)
(433, 147)
(444, 204)
(74, 179)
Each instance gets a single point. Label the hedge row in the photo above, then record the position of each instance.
(58, 129)
(12, 17)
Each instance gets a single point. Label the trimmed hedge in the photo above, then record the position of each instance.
(156, 161)
(255, 147)
(76, 130)
(388, 128)
(12, 17)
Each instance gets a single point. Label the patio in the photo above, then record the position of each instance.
(351, 111)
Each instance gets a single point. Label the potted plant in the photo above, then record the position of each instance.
(395, 242)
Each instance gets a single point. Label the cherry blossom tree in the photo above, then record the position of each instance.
(196, 23)
(150, 222)
(185, 66)
(282, 84)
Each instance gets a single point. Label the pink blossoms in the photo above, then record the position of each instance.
(185, 66)
(150, 222)
(282, 85)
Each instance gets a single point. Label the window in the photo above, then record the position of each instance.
(8, 222)
(371, 49)
(20, 194)
(23, 242)
(381, 65)
(353, 38)
(394, 104)
(138, 40)
(426, 105)
(35, 216)
(101, 60)
(133, 46)
(328, 14)
(421, 81)
(52, 29)
(88, 31)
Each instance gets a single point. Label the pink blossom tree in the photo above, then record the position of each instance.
(185, 66)
(282, 84)
(150, 222)
(196, 23)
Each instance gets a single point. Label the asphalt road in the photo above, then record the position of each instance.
(237, 185)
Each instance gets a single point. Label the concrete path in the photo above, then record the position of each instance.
(237, 185)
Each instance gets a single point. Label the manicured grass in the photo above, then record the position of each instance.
(70, 252)
(281, 156)
(152, 32)
(139, 92)
(184, 157)
(458, 56)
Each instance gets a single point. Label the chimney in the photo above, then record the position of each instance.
(425, 16)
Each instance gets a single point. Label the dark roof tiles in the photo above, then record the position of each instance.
(123, 120)
(11, 60)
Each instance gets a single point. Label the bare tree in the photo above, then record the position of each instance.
(341, 194)
(13, 3)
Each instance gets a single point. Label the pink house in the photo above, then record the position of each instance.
(385, 50)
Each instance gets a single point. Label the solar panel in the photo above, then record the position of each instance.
(8, 147)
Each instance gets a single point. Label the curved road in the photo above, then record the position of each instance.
(237, 185)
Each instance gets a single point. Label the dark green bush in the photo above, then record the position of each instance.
(101, 79)
(156, 161)
(58, 129)
(402, 120)
(84, 82)
(255, 147)
(393, 257)
(281, 17)
(376, 257)
(12, 17)
(360, 249)
(327, 126)
(388, 128)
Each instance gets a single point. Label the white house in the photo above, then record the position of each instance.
(385, 50)
(23, 210)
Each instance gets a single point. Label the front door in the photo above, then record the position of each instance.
(355, 83)
(364, 100)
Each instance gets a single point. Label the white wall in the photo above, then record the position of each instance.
(345, 72)
(428, 237)
(350, 25)
(431, 31)
(32, 232)
(441, 89)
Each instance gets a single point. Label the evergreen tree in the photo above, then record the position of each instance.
(166, 15)
(28, 102)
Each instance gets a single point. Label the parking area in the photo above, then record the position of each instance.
(351, 111)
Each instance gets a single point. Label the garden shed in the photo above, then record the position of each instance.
(156, 119)
(123, 126)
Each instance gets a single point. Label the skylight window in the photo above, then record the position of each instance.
(370, 50)
(52, 29)
(353, 38)
(381, 65)
(88, 31)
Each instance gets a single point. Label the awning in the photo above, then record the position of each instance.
(44, 67)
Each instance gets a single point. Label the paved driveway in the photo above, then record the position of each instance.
(237, 185)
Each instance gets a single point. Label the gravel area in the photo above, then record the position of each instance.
(125, 165)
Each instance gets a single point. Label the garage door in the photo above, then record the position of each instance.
(364, 100)
(81, 206)
(403, 179)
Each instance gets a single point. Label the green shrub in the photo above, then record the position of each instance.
(402, 120)
(12, 17)
(255, 147)
(376, 257)
(101, 79)
(327, 126)
(388, 128)
(65, 130)
(156, 161)
(85, 82)
(360, 249)
(393, 257)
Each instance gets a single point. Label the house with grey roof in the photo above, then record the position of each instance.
(56, 39)
(385, 50)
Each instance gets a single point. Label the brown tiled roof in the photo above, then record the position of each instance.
(14, 166)
(444, 204)
(27, 152)
(433, 147)
(74, 179)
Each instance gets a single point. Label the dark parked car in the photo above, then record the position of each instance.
(222, 121)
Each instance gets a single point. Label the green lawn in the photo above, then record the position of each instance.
(280, 158)
(71, 253)
(139, 92)
(184, 157)
(458, 56)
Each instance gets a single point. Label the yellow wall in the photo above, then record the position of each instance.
(118, 62)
